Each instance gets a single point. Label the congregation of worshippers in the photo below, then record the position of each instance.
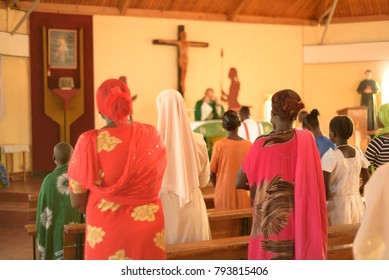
(131, 134)
(139, 189)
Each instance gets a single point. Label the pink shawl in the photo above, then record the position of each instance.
(309, 201)
(310, 213)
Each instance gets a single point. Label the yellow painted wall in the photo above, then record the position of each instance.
(332, 86)
(267, 57)
(15, 124)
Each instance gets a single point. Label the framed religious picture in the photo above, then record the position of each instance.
(62, 48)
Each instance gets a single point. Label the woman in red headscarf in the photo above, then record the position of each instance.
(285, 179)
(115, 176)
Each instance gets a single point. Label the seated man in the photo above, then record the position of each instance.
(54, 209)
(208, 107)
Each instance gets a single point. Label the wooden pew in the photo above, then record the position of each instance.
(229, 248)
(31, 227)
(230, 223)
(32, 204)
(73, 241)
(223, 224)
(340, 241)
(208, 199)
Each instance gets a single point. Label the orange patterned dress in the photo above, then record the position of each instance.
(123, 169)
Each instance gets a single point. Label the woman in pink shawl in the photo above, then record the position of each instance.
(115, 176)
(283, 173)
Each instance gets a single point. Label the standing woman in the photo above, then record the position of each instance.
(311, 122)
(342, 169)
(283, 173)
(115, 176)
(377, 152)
(227, 157)
(186, 218)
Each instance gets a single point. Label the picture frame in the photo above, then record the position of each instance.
(62, 48)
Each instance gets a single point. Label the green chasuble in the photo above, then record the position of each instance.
(53, 212)
(212, 116)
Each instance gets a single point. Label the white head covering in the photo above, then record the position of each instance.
(372, 239)
(183, 162)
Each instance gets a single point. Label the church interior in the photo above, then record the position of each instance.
(318, 48)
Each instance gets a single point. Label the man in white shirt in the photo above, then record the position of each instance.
(249, 128)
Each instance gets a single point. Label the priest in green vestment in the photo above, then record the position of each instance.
(208, 108)
(54, 209)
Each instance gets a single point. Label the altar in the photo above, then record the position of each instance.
(211, 130)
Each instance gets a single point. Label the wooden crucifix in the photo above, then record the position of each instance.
(182, 54)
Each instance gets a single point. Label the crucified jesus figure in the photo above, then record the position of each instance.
(183, 47)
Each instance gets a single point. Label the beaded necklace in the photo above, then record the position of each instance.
(343, 145)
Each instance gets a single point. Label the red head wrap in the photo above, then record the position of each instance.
(113, 100)
(286, 103)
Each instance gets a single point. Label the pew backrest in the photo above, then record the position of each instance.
(340, 241)
(32, 200)
(32, 204)
(230, 223)
(73, 241)
(229, 248)
(208, 199)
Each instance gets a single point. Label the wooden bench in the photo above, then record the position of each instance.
(208, 199)
(73, 240)
(340, 241)
(223, 224)
(230, 223)
(229, 248)
(31, 227)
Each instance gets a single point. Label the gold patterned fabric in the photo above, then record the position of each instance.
(122, 168)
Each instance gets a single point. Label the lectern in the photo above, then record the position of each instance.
(359, 116)
(212, 131)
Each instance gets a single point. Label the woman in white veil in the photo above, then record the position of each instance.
(187, 171)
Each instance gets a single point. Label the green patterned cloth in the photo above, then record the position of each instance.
(383, 115)
(53, 212)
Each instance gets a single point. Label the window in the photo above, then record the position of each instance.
(267, 108)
